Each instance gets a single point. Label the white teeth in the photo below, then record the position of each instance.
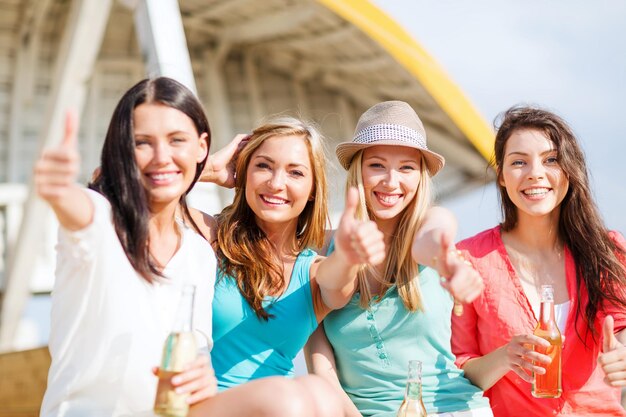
(161, 177)
(388, 198)
(274, 200)
(536, 191)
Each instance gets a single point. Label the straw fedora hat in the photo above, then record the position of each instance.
(389, 123)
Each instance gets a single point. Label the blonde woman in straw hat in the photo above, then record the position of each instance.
(401, 309)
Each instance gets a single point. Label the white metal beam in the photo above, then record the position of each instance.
(312, 42)
(161, 35)
(219, 9)
(220, 117)
(346, 114)
(302, 101)
(254, 88)
(23, 81)
(359, 93)
(268, 25)
(77, 53)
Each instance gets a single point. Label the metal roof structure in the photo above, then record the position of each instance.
(327, 60)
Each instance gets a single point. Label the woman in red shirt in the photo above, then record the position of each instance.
(552, 234)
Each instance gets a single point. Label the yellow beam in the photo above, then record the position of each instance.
(406, 51)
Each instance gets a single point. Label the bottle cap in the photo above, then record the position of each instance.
(547, 293)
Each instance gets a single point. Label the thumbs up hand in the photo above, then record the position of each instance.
(57, 168)
(459, 277)
(613, 356)
(358, 241)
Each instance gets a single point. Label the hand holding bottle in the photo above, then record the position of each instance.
(613, 356)
(520, 356)
(197, 379)
(360, 242)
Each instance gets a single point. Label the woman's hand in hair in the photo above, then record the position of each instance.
(458, 276)
(198, 379)
(220, 166)
(359, 242)
(613, 356)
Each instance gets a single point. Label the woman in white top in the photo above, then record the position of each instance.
(126, 245)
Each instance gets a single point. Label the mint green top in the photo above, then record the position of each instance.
(373, 348)
(246, 347)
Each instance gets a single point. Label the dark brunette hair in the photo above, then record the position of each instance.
(598, 257)
(119, 179)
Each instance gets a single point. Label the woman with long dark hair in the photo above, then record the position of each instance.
(552, 234)
(126, 247)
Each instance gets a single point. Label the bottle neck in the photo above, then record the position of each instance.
(546, 314)
(184, 315)
(413, 390)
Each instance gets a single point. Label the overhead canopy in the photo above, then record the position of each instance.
(326, 60)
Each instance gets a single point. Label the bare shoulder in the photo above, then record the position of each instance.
(440, 213)
(206, 223)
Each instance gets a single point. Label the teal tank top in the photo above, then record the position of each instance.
(373, 347)
(246, 347)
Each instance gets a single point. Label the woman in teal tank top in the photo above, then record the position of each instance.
(271, 290)
(402, 308)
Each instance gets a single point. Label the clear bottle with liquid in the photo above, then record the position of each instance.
(548, 385)
(412, 406)
(180, 348)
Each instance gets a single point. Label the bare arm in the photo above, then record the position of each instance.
(516, 356)
(432, 246)
(320, 360)
(438, 225)
(206, 223)
(356, 243)
(55, 180)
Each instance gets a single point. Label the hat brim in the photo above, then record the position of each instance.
(345, 152)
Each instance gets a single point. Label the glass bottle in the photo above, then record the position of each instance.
(548, 385)
(412, 406)
(180, 348)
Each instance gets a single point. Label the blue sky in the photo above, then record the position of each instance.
(568, 56)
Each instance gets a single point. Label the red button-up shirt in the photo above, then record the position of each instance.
(503, 311)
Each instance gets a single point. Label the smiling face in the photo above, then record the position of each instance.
(531, 174)
(279, 182)
(167, 151)
(391, 176)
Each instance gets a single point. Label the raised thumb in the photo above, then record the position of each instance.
(609, 341)
(352, 201)
(71, 127)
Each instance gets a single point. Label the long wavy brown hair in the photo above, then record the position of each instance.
(581, 228)
(244, 252)
(400, 268)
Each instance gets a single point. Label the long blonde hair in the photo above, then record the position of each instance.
(244, 252)
(400, 268)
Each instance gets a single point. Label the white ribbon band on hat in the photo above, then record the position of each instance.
(388, 131)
